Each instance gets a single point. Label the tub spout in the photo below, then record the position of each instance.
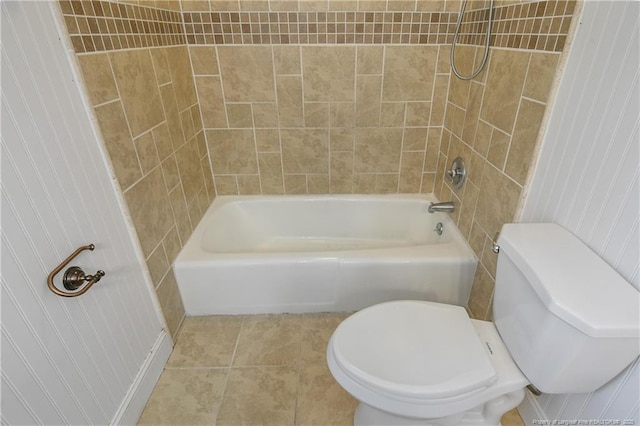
(446, 207)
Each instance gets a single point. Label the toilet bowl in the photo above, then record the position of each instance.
(408, 361)
(564, 321)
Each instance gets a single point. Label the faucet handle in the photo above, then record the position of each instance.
(458, 173)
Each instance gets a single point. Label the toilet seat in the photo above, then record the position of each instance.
(413, 350)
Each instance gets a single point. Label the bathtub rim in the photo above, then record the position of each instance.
(192, 252)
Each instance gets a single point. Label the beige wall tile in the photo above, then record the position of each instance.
(295, 184)
(268, 140)
(290, 101)
(387, 183)
(271, 173)
(140, 97)
(158, 265)
(181, 76)
(409, 73)
(481, 293)
(329, 73)
(428, 181)
(211, 102)
(370, 59)
(439, 100)
(170, 172)
(180, 213)
(171, 244)
(149, 209)
(540, 75)
(524, 140)
(204, 60)
(408, 5)
(316, 114)
(411, 172)
(239, 115)
(377, 150)
(341, 180)
(305, 150)
(190, 171)
(162, 139)
(161, 65)
(172, 115)
(368, 91)
(253, 5)
(313, 5)
(117, 139)
(342, 114)
(318, 184)
(372, 5)
(232, 151)
(392, 114)
(198, 5)
(472, 113)
(265, 115)
(287, 59)
(418, 113)
(364, 184)
(498, 148)
(98, 78)
(226, 185)
(147, 153)
(430, 5)
(504, 85)
(414, 139)
(459, 89)
(249, 185)
(497, 201)
(341, 139)
(247, 73)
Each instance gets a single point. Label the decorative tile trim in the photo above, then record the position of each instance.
(105, 25)
(534, 26)
(101, 25)
(318, 27)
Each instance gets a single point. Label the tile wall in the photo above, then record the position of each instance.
(493, 123)
(273, 97)
(146, 107)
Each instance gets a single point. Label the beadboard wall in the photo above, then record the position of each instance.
(587, 179)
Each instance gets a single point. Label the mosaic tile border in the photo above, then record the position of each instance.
(103, 25)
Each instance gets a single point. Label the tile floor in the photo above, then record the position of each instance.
(254, 370)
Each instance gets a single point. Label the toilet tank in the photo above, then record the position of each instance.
(569, 320)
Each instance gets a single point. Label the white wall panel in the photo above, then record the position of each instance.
(64, 360)
(588, 175)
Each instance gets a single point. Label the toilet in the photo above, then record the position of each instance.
(564, 321)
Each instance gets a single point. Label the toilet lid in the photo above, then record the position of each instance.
(413, 349)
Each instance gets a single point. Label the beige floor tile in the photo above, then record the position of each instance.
(206, 342)
(316, 332)
(259, 396)
(512, 418)
(321, 400)
(185, 396)
(269, 340)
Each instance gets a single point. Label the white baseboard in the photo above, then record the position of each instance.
(530, 410)
(141, 388)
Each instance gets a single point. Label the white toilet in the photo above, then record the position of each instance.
(565, 322)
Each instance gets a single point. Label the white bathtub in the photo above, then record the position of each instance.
(273, 254)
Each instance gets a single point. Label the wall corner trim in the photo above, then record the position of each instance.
(134, 401)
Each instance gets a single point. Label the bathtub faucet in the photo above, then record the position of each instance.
(446, 207)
